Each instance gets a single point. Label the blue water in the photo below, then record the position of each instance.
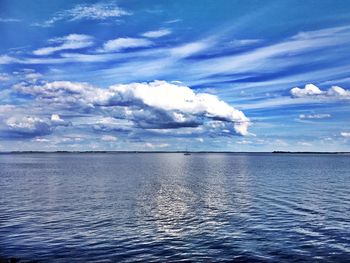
(172, 208)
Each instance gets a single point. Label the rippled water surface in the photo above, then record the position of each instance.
(171, 207)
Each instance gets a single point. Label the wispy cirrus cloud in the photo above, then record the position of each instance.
(76, 41)
(244, 42)
(266, 57)
(173, 21)
(72, 41)
(263, 58)
(157, 33)
(98, 11)
(260, 59)
(251, 69)
(314, 116)
(125, 43)
(9, 20)
(321, 33)
(5, 59)
(156, 62)
(189, 49)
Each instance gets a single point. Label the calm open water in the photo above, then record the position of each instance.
(172, 208)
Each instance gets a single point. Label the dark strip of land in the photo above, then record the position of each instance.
(274, 152)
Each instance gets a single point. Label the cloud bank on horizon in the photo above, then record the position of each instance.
(121, 75)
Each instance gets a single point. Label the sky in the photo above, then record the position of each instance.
(169, 75)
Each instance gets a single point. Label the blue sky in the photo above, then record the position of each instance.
(166, 75)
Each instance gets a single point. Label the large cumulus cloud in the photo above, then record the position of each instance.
(154, 105)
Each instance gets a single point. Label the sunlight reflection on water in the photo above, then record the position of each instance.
(171, 207)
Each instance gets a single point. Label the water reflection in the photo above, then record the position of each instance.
(171, 207)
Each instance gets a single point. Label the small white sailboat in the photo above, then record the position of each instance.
(187, 152)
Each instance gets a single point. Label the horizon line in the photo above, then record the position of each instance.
(134, 151)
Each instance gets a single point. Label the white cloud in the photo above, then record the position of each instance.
(244, 142)
(314, 116)
(157, 33)
(159, 145)
(98, 11)
(33, 76)
(125, 43)
(305, 144)
(345, 134)
(62, 93)
(8, 20)
(308, 90)
(244, 42)
(72, 41)
(41, 140)
(172, 98)
(7, 109)
(110, 124)
(55, 117)
(189, 49)
(336, 91)
(28, 125)
(5, 59)
(154, 105)
(109, 138)
(322, 33)
(4, 77)
(32, 126)
(312, 91)
(173, 21)
(266, 58)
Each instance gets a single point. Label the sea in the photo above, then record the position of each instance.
(171, 207)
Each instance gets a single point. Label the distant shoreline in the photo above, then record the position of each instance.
(195, 152)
